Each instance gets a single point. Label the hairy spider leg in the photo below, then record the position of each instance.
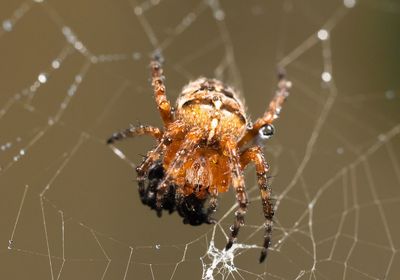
(212, 205)
(142, 169)
(136, 131)
(239, 187)
(157, 81)
(185, 150)
(272, 112)
(255, 155)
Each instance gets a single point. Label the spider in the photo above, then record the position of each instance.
(206, 143)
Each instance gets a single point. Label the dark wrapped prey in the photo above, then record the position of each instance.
(190, 208)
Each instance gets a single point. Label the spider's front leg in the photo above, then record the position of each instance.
(239, 187)
(272, 112)
(136, 131)
(255, 154)
(157, 81)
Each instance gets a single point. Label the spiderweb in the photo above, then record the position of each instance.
(74, 72)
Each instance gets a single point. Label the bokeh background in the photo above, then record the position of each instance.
(73, 72)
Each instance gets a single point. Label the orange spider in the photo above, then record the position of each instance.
(202, 151)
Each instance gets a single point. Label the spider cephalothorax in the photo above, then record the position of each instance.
(202, 150)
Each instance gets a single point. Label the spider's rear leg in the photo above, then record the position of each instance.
(136, 131)
(241, 195)
(157, 81)
(254, 154)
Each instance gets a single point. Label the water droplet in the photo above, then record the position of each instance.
(323, 34)
(136, 55)
(78, 78)
(326, 77)
(10, 244)
(78, 45)
(22, 152)
(55, 64)
(94, 59)
(390, 94)
(349, 3)
(7, 25)
(66, 30)
(381, 137)
(219, 15)
(138, 11)
(42, 78)
(158, 246)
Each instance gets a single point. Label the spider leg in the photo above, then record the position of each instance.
(135, 131)
(142, 169)
(272, 112)
(238, 185)
(185, 150)
(157, 81)
(255, 154)
(212, 206)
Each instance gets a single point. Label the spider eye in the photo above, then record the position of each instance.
(267, 131)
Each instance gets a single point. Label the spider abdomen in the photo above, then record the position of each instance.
(212, 122)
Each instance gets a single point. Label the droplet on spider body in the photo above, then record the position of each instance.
(267, 131)
(158, 246)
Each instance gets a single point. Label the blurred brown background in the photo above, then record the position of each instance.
(73, 72)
